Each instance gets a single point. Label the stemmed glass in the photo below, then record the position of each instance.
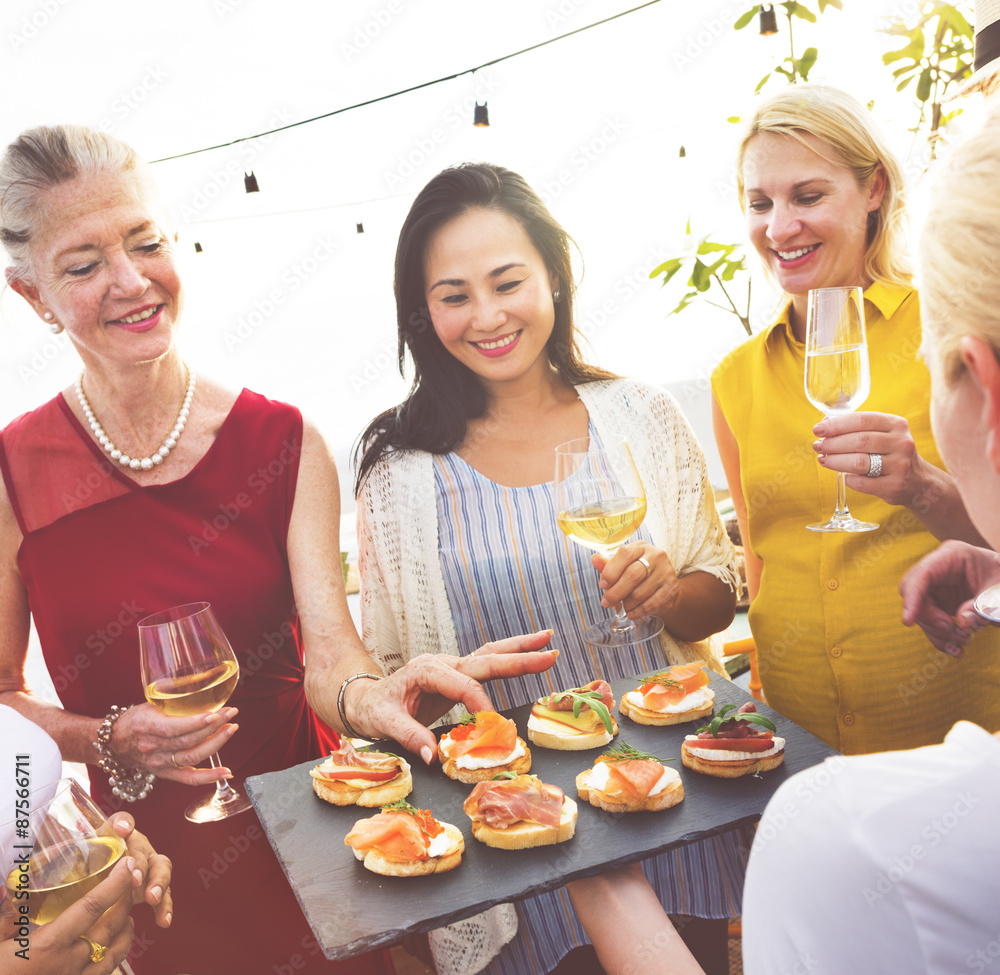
(56, 850)
(599, 503)
(188, 667)
(837, 378)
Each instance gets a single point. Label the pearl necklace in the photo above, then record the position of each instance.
(169, 442)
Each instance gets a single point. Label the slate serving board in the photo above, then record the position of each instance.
(352, 910)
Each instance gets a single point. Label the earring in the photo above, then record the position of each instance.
(54, 327)
(557, 296)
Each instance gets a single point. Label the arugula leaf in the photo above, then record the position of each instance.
(723, 717)
(663, 679)
(467, 719)
(506, 775)
(593, 700)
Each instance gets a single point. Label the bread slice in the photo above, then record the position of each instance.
(376, 795)
(470, 776)
(394, 867)
(573, 741)
(644, 716)
(731, 769)
(523, 836)
(670, 796)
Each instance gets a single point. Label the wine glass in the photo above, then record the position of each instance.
(58, 847)
(188, 667)
(837, 379)
(600, 502)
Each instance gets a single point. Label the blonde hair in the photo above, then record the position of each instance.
(960, 250)
(39, 160)
(840, 121)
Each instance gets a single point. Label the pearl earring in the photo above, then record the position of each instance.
(54, 327)
(557, 296)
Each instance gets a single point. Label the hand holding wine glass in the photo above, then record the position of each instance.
(188, 668)
(56, 851)
(600, 503)
(837, 377)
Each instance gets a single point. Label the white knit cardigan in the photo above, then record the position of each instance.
(404, 605)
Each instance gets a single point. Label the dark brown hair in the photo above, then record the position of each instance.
(446, 394)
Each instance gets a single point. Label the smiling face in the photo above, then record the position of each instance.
(489, 294)
(806, 216)
(103, 266)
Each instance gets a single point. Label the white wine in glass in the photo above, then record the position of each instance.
(188, 667)
(600, 503)
(56, 851)
(837, 377)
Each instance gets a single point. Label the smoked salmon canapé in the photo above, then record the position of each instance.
(361, 776)
(670, 696)
(402, 841)
(484, 744)
(735, 742)
(574, 720)
(516, 812)
(624, 779)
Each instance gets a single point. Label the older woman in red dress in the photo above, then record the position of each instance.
(140, 488)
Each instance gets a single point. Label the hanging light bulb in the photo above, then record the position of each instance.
(481, 118)
(250, 182)
(768, 21)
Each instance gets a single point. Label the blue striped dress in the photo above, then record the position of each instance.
(509, 569)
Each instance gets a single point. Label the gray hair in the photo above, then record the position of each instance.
(40, 159)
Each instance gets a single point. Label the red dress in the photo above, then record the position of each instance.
(99, 553)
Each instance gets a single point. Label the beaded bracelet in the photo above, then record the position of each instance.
(351, 733)
(127, 784)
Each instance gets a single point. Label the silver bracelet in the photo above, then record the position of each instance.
(128, 784)
(351, 733)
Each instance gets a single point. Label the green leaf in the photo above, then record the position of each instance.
(924, 85)
(806, 62)
(745, 19)
(710, 247)
(823, 4)
(723, 717)
(734, 119)
(761, 83)
(955, 19)
(684, 302)
(797, 10)
(668, 269)
(593, 700)
(621, 752)
(700, 277)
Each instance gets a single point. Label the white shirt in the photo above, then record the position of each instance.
(884, 863)
(26, 752)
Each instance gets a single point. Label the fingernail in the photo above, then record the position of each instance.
(968, 619)
(130, 863)
(231, 730)
(426, 754)
(157, 893)
(123, 824)
(953, 648)
(168, 917)
(819, 429)
(821, 458)
(817, 445)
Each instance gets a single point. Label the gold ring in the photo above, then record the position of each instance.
(97, 952)
(174, 760)
(646, 564)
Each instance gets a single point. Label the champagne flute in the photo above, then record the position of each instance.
(837, 378)
(56, 850)
(188, 667)
(600, 502)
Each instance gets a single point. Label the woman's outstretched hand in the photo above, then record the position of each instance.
(402, 705)
(938, 593)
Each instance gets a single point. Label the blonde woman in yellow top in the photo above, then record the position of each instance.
(823, 202)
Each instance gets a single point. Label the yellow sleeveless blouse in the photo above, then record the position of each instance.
(833, 653)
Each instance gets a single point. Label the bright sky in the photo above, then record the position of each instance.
(286, 298)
